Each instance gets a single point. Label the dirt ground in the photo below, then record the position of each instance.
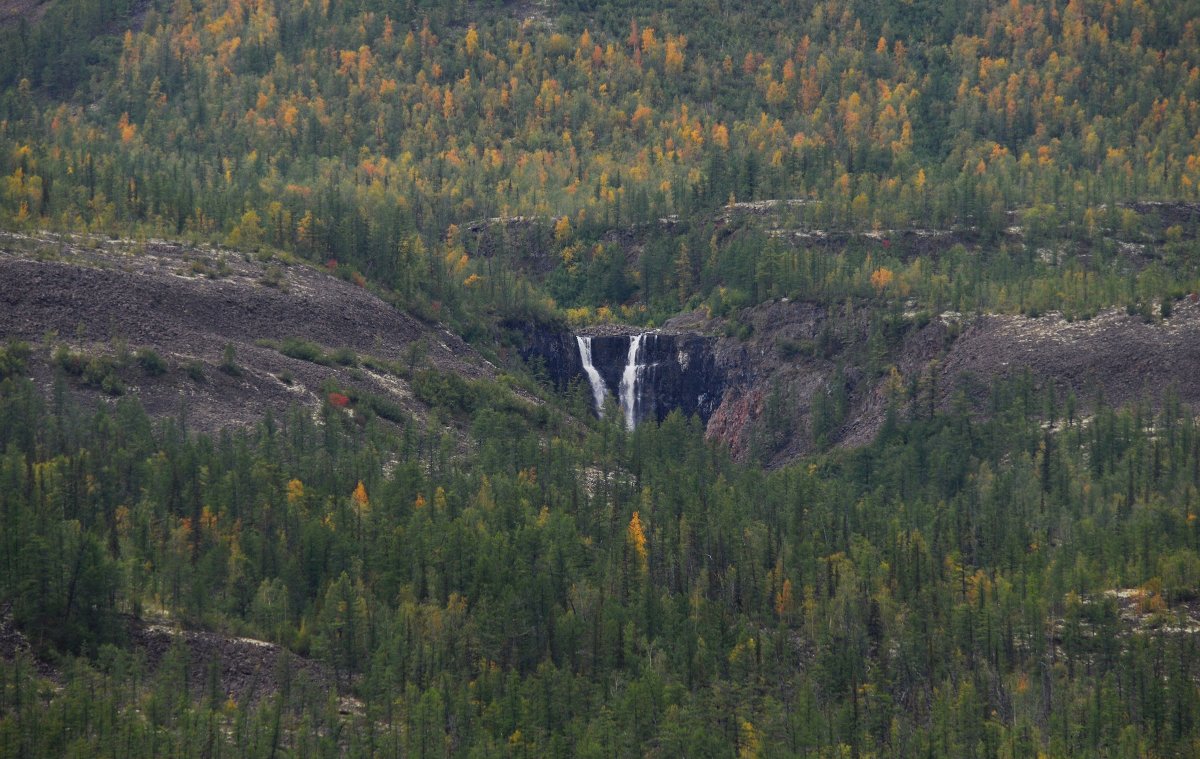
(1120, 357)
(219, 666)
(228, 667)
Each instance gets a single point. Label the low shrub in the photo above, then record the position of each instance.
(152, 363)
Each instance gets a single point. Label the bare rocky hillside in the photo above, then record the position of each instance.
(797, 351)
(237, 336)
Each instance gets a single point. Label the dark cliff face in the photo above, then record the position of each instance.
(798, 376)
(679, 371)
(549, 350)
(609, 355)
(687, 377)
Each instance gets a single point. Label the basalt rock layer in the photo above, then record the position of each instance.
(674, 370)
(786, 378)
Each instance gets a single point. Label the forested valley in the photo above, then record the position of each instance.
(433, 545)
(958, 588)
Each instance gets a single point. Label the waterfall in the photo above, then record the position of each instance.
(599, 391)
(628, 390)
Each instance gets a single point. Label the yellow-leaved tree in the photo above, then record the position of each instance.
(881, 278)
(636, 535)
(295, 491)
(361, 501)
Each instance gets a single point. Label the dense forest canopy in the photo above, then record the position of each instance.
(1010, 572)
(958, 588)
(371, 132)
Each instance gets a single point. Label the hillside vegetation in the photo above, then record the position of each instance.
(226, 337)
(957, 588)
(945, 254)
(371, 132)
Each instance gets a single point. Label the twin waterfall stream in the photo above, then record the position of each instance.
(628, 395)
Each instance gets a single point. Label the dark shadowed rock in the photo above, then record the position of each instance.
(548, 350)
(679, 369)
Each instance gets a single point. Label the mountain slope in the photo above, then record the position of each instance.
(807, 377)
(295, 333)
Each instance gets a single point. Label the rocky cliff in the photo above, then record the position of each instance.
(802, 376)
(756, 388)
(789, 377)
(549, 350)
(674, 370)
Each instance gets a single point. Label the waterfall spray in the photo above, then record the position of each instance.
(628, 390)
(599, 391)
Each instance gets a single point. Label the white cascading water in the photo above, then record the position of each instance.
(599, 391)
(628, 391)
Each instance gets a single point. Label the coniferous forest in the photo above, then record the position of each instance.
(1005, 567)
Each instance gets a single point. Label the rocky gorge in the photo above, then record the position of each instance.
(786, 378)
(770, 382)
(648, 374)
